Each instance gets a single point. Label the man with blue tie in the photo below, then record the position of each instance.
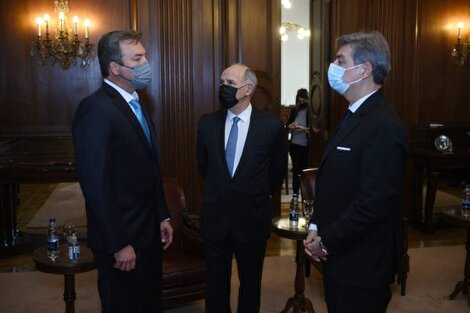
(117, 162)
(242, 154)
(355, 228)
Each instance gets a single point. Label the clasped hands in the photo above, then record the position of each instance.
(126, 257)
(313, 247)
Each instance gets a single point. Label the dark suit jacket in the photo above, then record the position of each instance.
(119, 173)
(240, 206)
(358, 199)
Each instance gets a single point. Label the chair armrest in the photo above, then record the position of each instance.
(191, 220)
(192, 242)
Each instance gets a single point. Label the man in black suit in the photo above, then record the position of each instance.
(119, 172)
(242, 154)
(355, 228)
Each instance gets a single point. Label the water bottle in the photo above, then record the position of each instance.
(294, 211)
(52, 240)
(74, 248)
(466, 200)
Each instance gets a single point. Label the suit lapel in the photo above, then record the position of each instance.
(351, 124)
(125, 109)
(250, 139)
(220, 138)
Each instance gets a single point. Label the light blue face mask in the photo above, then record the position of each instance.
(142, 75)
(335, 77)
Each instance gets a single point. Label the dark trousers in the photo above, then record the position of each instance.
(137, 291)
(249, 258)
(299, 158)
(352, 299)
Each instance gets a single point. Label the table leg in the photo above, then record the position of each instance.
(433, 178)
(69, 293)
(463, 286)
(10, 243)
(299, 302)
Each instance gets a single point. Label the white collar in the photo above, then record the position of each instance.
(127, 96)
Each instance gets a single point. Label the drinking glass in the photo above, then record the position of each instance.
(69, 229)
(307, 208)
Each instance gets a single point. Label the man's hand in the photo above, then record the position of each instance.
(166, 233)
(313, 248)
(125, 259)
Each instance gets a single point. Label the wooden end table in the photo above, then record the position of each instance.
(455, 217)
(63, 266)
(282, 227)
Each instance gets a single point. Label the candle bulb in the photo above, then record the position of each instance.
(75, 24)
(46, 20)
(39, 22)
(87, 29)
(460, 26)
(61, 21)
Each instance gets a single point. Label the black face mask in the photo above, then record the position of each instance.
(228, 95)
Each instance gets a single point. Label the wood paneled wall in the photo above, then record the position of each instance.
(190, 42)
(425, 84)
(40, 100)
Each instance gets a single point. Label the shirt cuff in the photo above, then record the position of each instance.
(313, 227)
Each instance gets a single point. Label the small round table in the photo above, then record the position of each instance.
(281, 226)
(454, 216)
(63, 266)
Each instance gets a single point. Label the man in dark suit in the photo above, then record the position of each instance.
(119, 172)
(355, 228)
(242, 154)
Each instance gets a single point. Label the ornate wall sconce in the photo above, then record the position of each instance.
(461, 49)
(293, 27)
(65, 48)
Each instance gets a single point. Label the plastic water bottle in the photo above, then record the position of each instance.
(52, 240)
(74, 248)
(466, 200)
(294, 211)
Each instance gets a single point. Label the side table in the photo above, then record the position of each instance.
(65, 267)
(282, 227)
(455, 217)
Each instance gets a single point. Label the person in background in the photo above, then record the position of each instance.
(298, 127)
(242, 154)
(117, 162)
(355, 228)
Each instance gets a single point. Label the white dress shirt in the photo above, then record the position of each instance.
(243, 125)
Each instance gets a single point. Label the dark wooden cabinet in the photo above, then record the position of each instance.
(430, 165)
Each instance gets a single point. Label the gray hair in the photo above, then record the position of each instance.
(369, 47)
(109, 49)
(250, 77)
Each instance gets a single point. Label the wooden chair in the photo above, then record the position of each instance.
(307, 190)
(184, 266)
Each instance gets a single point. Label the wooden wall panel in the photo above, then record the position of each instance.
(442, 84)
(184, 43)
(252, 38)
(424, 78)
(41, 100)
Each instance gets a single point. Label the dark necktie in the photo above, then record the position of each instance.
(346, 116)
(140, 116)
(232, 145)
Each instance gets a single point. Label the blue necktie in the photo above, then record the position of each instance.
(232, 145)
(140, 116)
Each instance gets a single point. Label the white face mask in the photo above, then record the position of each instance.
(335, 77)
